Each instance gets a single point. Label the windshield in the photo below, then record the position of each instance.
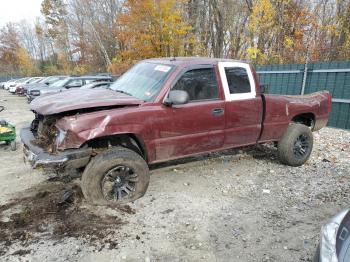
(88, 86)
(60, 83)
(20, 80)
(96, 85)
(33, 80)
(142, 81)
(50, 79)
(44, 80)
(54, 79)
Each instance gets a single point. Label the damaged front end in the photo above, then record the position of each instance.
(64, 122)
(44, 131)
(40, 146)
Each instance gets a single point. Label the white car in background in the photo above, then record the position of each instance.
(21, 81)
(22, 88)
(10, 83)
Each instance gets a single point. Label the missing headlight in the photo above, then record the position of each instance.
(61, 135)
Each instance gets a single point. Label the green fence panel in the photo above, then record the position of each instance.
(340, 116)
(282, 83)
(283, 79)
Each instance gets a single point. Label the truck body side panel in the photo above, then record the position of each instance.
(280, 111)
(187, 129)
(243, 121)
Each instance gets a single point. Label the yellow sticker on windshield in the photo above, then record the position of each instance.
(162, 68)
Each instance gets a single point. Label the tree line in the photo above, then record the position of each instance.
(85, 36)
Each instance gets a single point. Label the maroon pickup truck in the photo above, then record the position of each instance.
(163, 109)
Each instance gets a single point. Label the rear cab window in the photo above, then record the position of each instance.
(237, 80)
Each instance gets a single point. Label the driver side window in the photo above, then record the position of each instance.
(200, 84)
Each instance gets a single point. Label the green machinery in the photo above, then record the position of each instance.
(7, 132)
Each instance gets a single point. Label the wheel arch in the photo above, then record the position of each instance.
(307, 119)
(128, 140)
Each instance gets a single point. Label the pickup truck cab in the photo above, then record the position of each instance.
(163, 109)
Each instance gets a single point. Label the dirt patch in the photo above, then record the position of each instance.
(237, 205)
(57, 213)
(21, 252)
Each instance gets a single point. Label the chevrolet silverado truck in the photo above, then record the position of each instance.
(164, 109)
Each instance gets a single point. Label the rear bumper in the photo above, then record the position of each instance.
(37, 157)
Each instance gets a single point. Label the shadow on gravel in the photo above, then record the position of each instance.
(261, 152)
(56, 211)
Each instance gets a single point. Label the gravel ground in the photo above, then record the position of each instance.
(238, 205)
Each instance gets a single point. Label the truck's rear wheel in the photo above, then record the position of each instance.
(295, 146)
(117, 175)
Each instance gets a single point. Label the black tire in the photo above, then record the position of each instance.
(295, 146)
(112, 168)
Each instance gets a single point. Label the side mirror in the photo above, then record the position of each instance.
(177, 97)
(264, 89)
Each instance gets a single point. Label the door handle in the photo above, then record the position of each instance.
(217, 111)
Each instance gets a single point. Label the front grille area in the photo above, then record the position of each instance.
(35, 124)
(45, 132)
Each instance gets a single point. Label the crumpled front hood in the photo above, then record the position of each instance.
(80, 99)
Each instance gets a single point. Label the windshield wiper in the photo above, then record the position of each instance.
(123, 92)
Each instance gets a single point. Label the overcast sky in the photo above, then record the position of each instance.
(17, 10)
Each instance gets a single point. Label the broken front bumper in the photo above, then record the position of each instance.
(37, 157)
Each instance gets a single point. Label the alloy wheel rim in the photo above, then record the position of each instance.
(119, 183)
(301, 146)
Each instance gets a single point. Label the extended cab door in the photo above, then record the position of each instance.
(197, 126)
(243, 108)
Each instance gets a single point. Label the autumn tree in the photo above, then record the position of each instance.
(26, 64)
(9, 44)
(280, 31)
(86, 36)
(149, 28)
(343, 18)
(56, 17)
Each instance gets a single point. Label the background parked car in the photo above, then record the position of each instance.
(20, 87)
(65, 84)
(2, 84)
(23, 81)
(335, 239)
(7, 84)
(47, 81)
(13, 82)
(97, 84)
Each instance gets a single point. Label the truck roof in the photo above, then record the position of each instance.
(191, 60)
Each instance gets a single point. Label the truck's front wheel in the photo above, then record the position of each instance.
(117, 175)
(295, 146)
